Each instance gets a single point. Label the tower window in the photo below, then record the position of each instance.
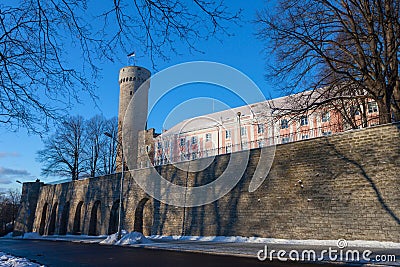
(130, 92)
(130, 79)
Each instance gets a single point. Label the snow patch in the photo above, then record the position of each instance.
(9, 235)
(31, 235)
(131, 238)
(112, 239)
(263, 240)
(7, 260)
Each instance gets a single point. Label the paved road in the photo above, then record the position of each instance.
(58, 253)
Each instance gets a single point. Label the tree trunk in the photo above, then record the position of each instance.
(396, 104)
(384, 111)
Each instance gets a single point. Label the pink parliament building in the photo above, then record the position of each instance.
(252, 126)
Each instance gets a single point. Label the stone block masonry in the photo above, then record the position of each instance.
(342, 186)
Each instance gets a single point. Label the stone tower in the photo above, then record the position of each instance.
(130, 79)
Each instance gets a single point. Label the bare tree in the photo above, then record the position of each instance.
(109, 150)
(39, 79)
(345, 51)
(100, 149)
(64, 153)
(9, 205)
(79, 148)
(95, 128)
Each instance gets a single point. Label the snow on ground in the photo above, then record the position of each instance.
(7, 260)
(72, 238)
(138, 238)
(9, 235)
(262, 240)
(227, 245)
(131, 238)
(112, 239)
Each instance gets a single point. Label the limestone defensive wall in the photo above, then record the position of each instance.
(341, 186)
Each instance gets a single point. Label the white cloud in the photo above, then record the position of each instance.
(4, 180)
(5, 174)
(9, 154)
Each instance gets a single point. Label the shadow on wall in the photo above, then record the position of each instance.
(370, 181)
(114, 214)
(43, 219)
(95, 219)
(350, 174)
(64, 219)
(77, 226)
(138, 223)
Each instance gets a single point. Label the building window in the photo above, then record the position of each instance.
(228, 149)
(354, 110)
(372, 107)
(260, 143)
(326, 116)
(304, 136)
(285, 140)
(243, 131)
(208, 137)
(166, 143)
(260, 128)
(183, 141)
(284, 124)
(194, 140)
(245, 145)
(303, 120)
(228, 134)
(159, 145)
(326, 133)
(194, 155)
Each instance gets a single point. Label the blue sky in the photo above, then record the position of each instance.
(241, 51)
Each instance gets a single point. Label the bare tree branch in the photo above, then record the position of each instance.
(336, 49)
(39, 80)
